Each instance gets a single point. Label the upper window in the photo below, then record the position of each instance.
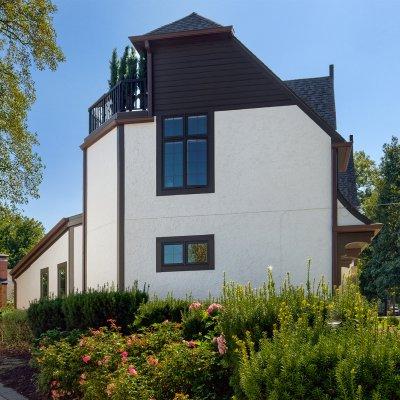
(185, 253)
(62, 279)
(185, 150)
(44, 283)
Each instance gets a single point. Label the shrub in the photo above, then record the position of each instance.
(15, 332)
(158, 310)
(155, 363)
(45, 314)
(86, 310)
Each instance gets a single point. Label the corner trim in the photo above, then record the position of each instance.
(84, 241)
(121, 207)
(71, 260)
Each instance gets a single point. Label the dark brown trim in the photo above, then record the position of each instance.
(59, 267)
(140, 41)
(84, 231)
(210, 188)
(149, 78)
(75, 220)
(375, 228)
(134, 117)
(52, 236)
(209, 239)
(71, 260)
(344, 153)
(334, 169)
(121, 207)
(42, 271)
(352, 210)
(15, 293)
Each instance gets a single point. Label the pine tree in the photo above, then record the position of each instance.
(131, 65)
(122, 70)
(114, 63)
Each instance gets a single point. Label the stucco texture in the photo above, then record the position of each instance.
(271, 206)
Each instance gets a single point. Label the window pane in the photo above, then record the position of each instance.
(197, 125)
(173, 127)
(197, 253)
(197, 162)
(62, 281)
(173, 164)
(173, 254)
(44, 282)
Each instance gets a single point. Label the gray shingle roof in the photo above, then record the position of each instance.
(319, 94)
(192, 22)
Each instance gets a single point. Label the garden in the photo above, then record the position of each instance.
(250, 344)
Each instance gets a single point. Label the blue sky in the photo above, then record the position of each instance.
(296, 39)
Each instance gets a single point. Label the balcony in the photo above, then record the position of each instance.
(126, 96)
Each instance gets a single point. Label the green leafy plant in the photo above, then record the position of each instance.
(15, 332)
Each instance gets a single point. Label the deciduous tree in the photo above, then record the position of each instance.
(27, 38)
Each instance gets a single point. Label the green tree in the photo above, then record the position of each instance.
(142, 68)
(27, 38)
(122, 69)
(380, 274)
(18, 234)
(114, 65)
(131, 65)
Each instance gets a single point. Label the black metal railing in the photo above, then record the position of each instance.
(127, 95)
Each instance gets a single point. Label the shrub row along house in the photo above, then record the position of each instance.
(210, 165)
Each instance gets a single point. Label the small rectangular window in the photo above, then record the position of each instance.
(44, 283)
(185, 253)
(62, 279)
(185, 154)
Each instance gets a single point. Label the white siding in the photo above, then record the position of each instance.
(78, 258)
(345, 217)
(102, 211)
(28, 284)
(272, 202)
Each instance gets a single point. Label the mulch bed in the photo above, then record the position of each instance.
(16, 373)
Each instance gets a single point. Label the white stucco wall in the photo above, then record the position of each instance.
(271, 206)
(28, 284)
(102, 211)
(78, 257)
(345, 217)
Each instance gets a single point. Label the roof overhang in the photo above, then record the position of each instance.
(49, 239)
(344, 153)
(140, 41)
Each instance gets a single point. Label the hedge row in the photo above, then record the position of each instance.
(86, 310)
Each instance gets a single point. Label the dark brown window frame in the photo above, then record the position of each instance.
(185, 240)
(210, 187)
(43, 271)
(59, 266)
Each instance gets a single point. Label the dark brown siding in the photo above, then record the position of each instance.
(212, 73)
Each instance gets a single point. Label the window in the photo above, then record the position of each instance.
(62, 279)
(185, 253)
(44, 283)
(185, 154)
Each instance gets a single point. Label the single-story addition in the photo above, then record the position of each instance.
(210, 164)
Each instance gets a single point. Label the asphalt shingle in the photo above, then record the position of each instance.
(192, 22)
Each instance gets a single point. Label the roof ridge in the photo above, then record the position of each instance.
(181, 22)
(302, 79)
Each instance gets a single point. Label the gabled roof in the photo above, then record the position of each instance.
(48, 240)
(191, 22)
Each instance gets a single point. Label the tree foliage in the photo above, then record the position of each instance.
(27, 38)
(18, 234)
(114, 66)
(380, 275)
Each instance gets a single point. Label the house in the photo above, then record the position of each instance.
(210, 165)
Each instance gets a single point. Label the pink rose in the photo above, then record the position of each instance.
(213, 308)
(86, 358)
(221, 344)
(152, 361)
(195, 306)
(132, 371)
(124, 354)
(191, 344)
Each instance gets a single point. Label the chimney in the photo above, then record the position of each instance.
(3, 279)
(332, 71)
